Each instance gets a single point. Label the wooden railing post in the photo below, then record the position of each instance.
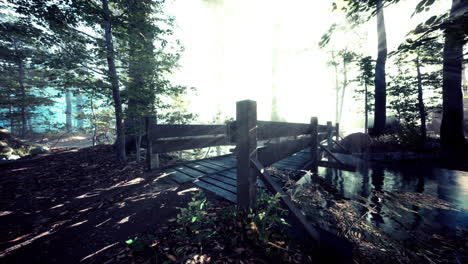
(151, 161)
(329, 136)
(314, 144)
(337, 137)
(246, 149)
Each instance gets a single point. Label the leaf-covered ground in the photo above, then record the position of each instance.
(74, 205)
(80, 206)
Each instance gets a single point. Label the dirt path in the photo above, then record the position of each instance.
(74, 206)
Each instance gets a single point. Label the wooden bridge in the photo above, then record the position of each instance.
(258, 144)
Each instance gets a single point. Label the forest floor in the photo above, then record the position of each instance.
(81, 206)
(73, 205)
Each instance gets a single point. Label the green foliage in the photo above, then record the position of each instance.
(259, 225)
(194, 216)
(408, 135)
(268, 215)
(365, 79)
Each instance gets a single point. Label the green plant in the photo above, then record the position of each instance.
(408, 135)
(268, 215)
(194, 219)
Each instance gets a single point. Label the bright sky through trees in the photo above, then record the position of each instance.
(229, 48)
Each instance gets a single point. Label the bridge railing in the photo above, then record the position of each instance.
(292, 137)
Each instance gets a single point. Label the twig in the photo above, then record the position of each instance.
(359, 220)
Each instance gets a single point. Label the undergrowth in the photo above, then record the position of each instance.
(204, 232)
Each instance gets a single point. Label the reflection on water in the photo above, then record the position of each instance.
(367, 184)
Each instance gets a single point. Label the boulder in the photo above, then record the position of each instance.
(357, 142)
(4, 134)
(5, 150)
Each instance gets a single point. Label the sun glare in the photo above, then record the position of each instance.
(236, 50)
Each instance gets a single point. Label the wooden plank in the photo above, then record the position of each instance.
(270, 129)
(219, 184)
(210, 165)
(329, 136)
(221, 192)
(229, 174)
(322, 136)
(284, 166)
(191, 172)
(337, 131)
(291, 162)
(314, 141)
(169, 145)
(275, 152)
(227, 163)
(224, 179)
(178, 176)
(345, 167)
(330, 154)
(246, 149)
(201, 168)
(322, 128)
(172, 131)
(341, 147)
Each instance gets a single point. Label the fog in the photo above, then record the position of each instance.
(254, 49)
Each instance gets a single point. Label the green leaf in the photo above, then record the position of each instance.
(129, 242)
(431, 20)
(194, 219)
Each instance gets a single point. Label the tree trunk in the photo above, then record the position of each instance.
(68, 111)
(274, 73)
(345, 83)
(12, 122)
(422, 111)
(366, 109)
(451, 130)
(94, 122)
(120, 140)
(337, 89)
(380, 83)
(79, 106)
(24, 119)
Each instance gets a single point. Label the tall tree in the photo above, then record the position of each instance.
(365, 78)
(20, 59)
(451, 130)
(380, 113)
(114, 80)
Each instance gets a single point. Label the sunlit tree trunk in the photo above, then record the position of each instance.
(343, 90)
(274, 72)
(337, 89)
(451, 130)
(422, 111)
(24, 118)
(79, 106)
(120, 140)
(380, 83)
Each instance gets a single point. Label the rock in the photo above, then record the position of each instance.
(39, 150)
(4, 133)
(13, 157)
(357, 142)
(5, 150)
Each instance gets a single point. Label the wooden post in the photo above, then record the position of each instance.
(337, 137)
(246, 149)
(314, 144)
(329, 136)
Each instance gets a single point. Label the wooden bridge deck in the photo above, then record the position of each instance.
(218, 174)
